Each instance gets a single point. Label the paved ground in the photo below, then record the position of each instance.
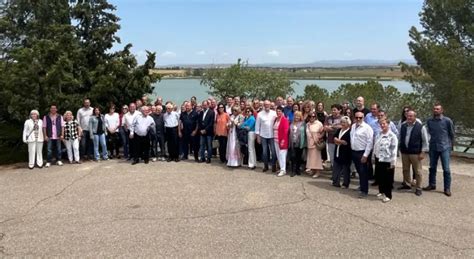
(112, 209)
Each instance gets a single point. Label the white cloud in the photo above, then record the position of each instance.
(168, 54)
(273, 53)
(201, 53)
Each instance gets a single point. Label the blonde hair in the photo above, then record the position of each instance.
(346, 119)
(298, 113)
(68, 112)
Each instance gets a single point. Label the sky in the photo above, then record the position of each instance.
(267, 31)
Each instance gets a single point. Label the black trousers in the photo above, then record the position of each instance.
(385, 176)
(222, 148)
(142, 147)
(113, 143)
(258, 151)
(171, 136)
(296, 159)
(189, 144)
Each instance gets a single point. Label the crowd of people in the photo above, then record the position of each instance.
(285, 135)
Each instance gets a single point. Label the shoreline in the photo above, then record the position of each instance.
(386, 79)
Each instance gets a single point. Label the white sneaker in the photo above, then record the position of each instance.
(48, 164)
(282, 173)
(59, 163)
(316, 175)
(385, 200)
(380, 196)
(153, 159)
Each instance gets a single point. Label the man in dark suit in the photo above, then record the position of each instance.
(206, 129)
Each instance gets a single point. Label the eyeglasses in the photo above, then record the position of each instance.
(221, 107)
(359, 118)
(313, 116)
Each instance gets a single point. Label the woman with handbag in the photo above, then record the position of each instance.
(314, 130)
(33, 136)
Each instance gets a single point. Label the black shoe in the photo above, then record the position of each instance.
(196, 159)
(274, 168)
(429, 188)
(252, 168)
(146, 161)
(418, 192)
(134, 162)
(375, 184)
(336, 185)
(169, 160)
(353, 175)
(176, 160)
(208, 161)
(447, 193)
(404, 187)
(265, 169)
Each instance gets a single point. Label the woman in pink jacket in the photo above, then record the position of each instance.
(280, 133)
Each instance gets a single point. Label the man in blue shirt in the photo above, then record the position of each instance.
(441, 131)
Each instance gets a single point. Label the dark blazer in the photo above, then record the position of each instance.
(344, 150)
(207, 123)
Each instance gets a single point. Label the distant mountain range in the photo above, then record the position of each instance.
(321, 64)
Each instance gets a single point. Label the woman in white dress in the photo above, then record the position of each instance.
(233, 148)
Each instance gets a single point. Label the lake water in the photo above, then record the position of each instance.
(179, 90)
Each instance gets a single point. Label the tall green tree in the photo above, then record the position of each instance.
(443, 49)
(59, 51)
(242, 80)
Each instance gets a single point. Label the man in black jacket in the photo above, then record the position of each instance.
(158, 134)
(206, 129)
(188, 129)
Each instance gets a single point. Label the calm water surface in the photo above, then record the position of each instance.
(179, 90)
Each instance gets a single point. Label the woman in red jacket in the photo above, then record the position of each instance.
(280, 134)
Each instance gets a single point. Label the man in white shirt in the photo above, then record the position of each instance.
(83, 116)
(264, 132)
(128, 119)
(171, 119)
(139, 130)
(362, 138)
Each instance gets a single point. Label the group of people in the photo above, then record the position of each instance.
(241, 132)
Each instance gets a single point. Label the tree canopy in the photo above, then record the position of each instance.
(443, 49)
(241, 80)
(60, 51)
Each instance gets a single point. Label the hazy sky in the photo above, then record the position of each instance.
(264, 31)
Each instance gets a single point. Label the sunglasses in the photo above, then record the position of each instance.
(359, 118)
(313, 116)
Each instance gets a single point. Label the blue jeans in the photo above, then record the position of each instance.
(268, 146)
(124, 135)
(100, 139)
(361, 170)
(57, 143)
(445, 157)
(206, 144)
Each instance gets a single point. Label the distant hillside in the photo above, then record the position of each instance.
(316, 64)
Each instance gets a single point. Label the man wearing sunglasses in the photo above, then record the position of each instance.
(362, 138)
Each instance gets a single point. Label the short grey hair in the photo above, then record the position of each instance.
(34, 112)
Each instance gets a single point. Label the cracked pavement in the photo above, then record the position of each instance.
(112, 209)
